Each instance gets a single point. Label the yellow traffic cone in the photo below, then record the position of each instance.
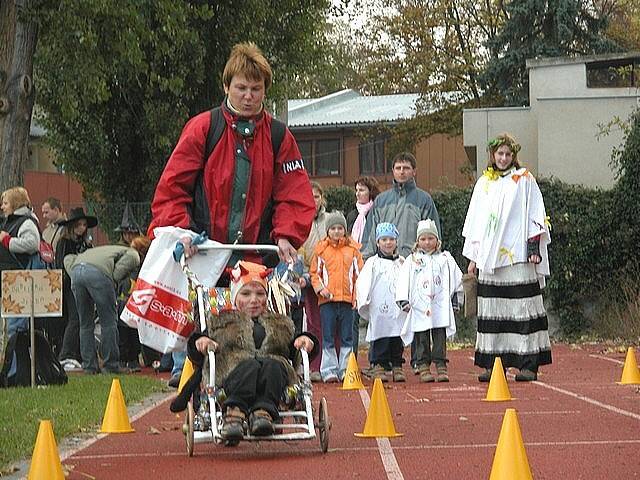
(352, 380)
(510, 460)
(45, 462)
(116, 419)
(187, 372)
(630, 372)
(498, 390)
(379, 422)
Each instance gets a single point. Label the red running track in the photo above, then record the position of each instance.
(576, 422)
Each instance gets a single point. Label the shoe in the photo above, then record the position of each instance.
(441, 374)
(416, 369)
(133, 366)
(260, 423)
(315, 377)
(378, 371)
(425, 374)
(331, 379)
(71, 365)
(233, 426)
(174, 381)
(485, 376)
(526, 376)
(398, 375)
(341, 376)
(366, 371)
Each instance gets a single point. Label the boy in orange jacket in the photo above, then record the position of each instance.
(335, 266)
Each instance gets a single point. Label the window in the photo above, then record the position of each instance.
(321, 157)
(614, 73)
(371, 156)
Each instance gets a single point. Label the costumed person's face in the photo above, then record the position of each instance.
(363, 195)
(245, 95)
(403, 172)
(7, 209)
(252, 299)
(503, 157)
(80, 227)
(317, 199)
(336, 232)
(387, 245)
(428, 242)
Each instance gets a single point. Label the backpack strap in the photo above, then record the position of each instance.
(278, 129)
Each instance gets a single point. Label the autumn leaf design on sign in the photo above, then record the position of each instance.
(55, 280)
(10, 306)
(53, 307)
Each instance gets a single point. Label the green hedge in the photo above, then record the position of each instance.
(341, 198)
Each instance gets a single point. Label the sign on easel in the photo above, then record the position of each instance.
(31, 293)
(16, 293)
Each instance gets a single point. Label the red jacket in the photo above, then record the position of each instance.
(284, 181)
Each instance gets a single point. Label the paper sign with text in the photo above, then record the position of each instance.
(16, 293)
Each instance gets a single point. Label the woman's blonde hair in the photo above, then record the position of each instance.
(247, 59)
(141, 245)
(17, 197)
(503, 139)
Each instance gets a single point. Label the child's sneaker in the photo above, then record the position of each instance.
(378, 371)
(425, 374)
(398, 375)
(442, 375)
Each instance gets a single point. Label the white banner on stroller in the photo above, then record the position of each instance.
(159, 303)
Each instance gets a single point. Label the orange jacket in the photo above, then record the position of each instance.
(335, 266)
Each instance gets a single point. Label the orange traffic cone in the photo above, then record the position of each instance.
(187, 372)
(116, 419)
(352, 380)
(379, 422)
(510, 460)
(45, 462)
(498, 390)
(630, 372)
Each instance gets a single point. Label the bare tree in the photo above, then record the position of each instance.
(18, 35)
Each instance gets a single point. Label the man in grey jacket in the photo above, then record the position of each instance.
(94, 275)
(404, 205)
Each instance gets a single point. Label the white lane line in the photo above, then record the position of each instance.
(391, 467)
(584, 398)
(222, 453)
(602, 357)
(72, 451)
(496, 414)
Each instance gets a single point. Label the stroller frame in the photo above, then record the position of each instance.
(296, 423)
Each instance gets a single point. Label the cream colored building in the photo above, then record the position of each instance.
(571, 99)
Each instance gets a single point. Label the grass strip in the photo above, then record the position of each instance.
(75, 407)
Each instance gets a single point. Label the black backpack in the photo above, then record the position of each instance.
(48, 368)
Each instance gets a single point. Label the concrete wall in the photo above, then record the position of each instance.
(482, 124)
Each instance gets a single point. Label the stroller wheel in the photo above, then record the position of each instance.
(188, 428)
(324, 425)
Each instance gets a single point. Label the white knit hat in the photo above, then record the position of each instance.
(427, 226)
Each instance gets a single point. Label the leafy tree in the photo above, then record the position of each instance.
(18, 37)
(541, 28)
(119, 78)
(624, 24)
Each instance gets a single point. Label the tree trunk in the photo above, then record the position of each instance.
(18, 37)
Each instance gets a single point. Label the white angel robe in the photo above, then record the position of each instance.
(376, 297)
(503, 214)
(428, 282)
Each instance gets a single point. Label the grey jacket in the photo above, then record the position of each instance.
(115, 261)
(404, 205)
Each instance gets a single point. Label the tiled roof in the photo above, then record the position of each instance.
(348, 107)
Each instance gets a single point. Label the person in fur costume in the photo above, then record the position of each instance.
(254, 349)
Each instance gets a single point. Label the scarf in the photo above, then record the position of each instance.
(358, 226)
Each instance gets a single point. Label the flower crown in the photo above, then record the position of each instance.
(497, 142)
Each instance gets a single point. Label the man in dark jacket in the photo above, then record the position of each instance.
(240, 192)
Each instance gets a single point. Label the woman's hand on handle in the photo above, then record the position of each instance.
(471, 269)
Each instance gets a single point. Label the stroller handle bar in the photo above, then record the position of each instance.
(240, 247)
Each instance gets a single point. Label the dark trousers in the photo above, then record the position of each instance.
(71, 339)
(297, 315)
(356, 332)
(256, 383)
(128, 342)
(426, 352)
(387, 352)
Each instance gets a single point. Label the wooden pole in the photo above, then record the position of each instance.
(32, 335)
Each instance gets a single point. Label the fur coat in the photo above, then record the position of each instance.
(233, 332)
